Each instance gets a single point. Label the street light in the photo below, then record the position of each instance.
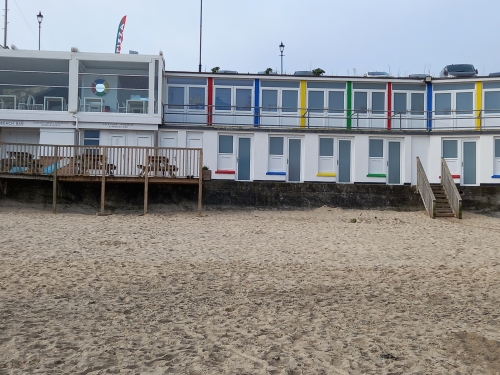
(282, 48)
(39, 17)
(201, 19)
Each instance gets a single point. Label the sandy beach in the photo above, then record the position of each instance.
(249, 292)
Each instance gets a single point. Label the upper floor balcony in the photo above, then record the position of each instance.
(57, 86)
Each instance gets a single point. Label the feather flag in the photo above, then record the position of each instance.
(119, 35)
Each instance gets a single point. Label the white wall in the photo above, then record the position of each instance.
(57, 137)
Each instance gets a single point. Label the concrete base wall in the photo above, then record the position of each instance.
(244, 194)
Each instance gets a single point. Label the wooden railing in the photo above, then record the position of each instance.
(115, 161)
(425, 190)
(451, 189)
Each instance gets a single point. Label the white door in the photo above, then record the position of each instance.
(117, 156)
(169, 140)
(194, 140)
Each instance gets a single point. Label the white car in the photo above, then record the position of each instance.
(376, 74)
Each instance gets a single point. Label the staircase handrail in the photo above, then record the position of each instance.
(451, 189)
(425, 190)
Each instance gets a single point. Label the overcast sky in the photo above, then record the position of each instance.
(397, 36)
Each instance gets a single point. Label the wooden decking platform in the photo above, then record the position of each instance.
(102, 164)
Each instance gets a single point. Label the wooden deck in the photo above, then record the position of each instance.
(101, 164)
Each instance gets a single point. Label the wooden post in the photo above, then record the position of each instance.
(104, 167)
(146, 182)
(200, 181)
(54, 181)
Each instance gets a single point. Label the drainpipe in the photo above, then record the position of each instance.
(77, 130)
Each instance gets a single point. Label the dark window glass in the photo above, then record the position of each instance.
(225, 144)
(243, 99)
(376, 148)
(275, 145)
(326, 147)
(450, 149)
(222, 99)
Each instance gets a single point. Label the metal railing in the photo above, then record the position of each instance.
(425, 190)
(451, 189)
(321, 118)
(114, 161)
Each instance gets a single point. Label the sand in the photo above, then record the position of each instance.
(249, 292)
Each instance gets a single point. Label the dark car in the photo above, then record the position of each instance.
(458, 70)
(418, 75)
(496, 74)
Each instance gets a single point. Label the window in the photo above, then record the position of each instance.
(225, 157)
(450, 154)
(115, 86)
(225, 144)
(91, 137)
(34, 84)
(176, 97)
(316, 101)
(464, 103)
(197, 98)
(270, 100)
(450, 149)
(243, 99)
(222, 99)
(360, 101)
(326, 155)
(443, 104)
(290, 99)
(186, 94)
(417, 104)
(276, 154)
(378, 103)
(376, 156)
(492, 102)
(400, 103)
(336, 102)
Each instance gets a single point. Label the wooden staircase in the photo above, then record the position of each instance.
(443, 206)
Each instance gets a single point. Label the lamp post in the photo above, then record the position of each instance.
(201, 18)
(39, 17)
(282, 48)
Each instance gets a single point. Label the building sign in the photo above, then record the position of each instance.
(117, 126)
(37, 124)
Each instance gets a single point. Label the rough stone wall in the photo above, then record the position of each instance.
(226, 194)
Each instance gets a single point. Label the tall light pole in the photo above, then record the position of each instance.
(201, 18)
(282, 48)
(39, 17)
(5, 27)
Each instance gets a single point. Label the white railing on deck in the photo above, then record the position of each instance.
(425, 190)
(451, 189)
(115, 161)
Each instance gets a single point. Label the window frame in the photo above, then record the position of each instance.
(452, 113)
(186, 105)
(233, 109)
(87, 138)
(279, 105)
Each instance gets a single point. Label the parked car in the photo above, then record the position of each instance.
(418, 75)
(496, 74)
(376, 74)
(458, 70)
